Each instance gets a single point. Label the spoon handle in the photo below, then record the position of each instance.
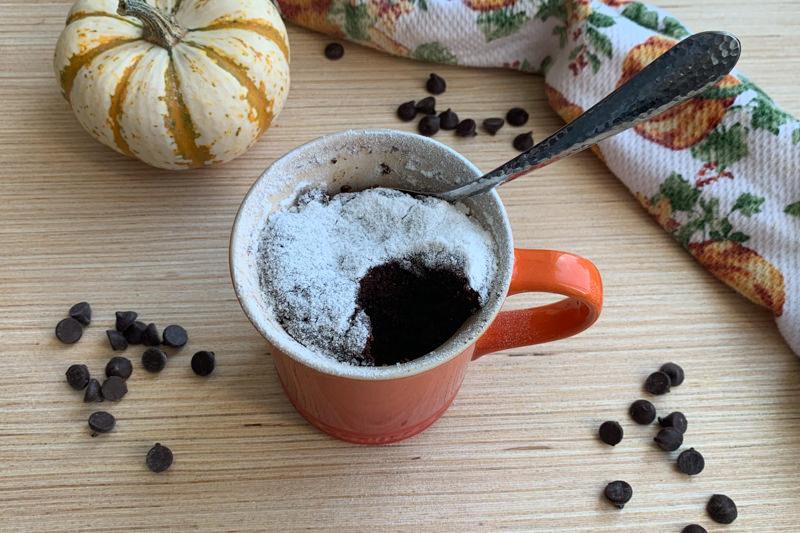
(682, 72)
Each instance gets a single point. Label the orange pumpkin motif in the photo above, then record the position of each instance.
(567, 110)
(686, 124)
(488, 5)
(661, 211)
(744, 270)
(311, 14)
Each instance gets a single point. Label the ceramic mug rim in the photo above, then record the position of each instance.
(449, 350)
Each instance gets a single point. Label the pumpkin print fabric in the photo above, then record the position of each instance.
(721, 172)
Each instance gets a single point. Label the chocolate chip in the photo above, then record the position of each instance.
(101, 422)
(385, 169)
(448, 120)
(334, 51)
(466, 128)
(657, 383)
(78, 376)
(691, 462)
(407, 111)
(93, 393)
(154, 360)
(493, 125)
(435, 84)
(669, 439)
(69, 331)
(517, 116)
(151, 337)
(721, 509)
(674, 372)
(203, 363)
(524, 141)
(694, 528)
(117, 340)
(82, 312)
(675, 420)
(642, 412)
(125, 319)
(175, 335)
(427, 105)
(159, 458)
(135, 332)
(120, 367)
(611, 432)
(619, 493)
(429, 125)
(114, 388)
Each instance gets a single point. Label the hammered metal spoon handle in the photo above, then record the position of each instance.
(684, 71)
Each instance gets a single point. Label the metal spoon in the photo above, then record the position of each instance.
(684, 71)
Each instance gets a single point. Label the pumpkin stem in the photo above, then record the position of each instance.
(158, 28)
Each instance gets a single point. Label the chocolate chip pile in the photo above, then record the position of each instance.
(431, 122)
(128, 330)
(669, 438)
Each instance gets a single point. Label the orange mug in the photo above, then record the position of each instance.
(379, 405)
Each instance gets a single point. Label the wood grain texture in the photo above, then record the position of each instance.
(517, 449)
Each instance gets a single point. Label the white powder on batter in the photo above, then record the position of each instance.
(313, 255)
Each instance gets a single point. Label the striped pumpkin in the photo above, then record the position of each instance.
(175, 83)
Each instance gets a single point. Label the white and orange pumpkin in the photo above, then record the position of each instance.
(175, 83)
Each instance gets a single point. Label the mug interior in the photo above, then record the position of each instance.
(361, 159)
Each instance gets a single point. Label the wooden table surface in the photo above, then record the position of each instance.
(517, 450)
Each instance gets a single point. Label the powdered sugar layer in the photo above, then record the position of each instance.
(313, 255)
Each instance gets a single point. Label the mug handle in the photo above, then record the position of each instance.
(546, 271)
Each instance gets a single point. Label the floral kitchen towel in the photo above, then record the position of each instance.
(720, 172)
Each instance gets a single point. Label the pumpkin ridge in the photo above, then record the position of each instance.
(256, 97)
(259, 26)
(115, 109)
(80, 15)
(178, 122)
(78, 61)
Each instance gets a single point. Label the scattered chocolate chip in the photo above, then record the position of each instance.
(691, 462)
(125, 319)
(334, 161)
(694, 528)
(82, 312)
(93, 393)
(385, 169)
(429, 125)
(101, 422)
(78, 376)
(524, 141)
(334, 51)
(176, 336)
(466, 128)
(642, 412)
(203, 363)
(154, 360)
(407, 111)
(159, 458)
(493, 125)
(69, 331)
(435, 84)
(120, 367)
(151, 337)
(669, 439)
(448, 120)
(610, 432)
(517, 116)
(674, 372)
(135, 332)
(427, 105)
(721, 509)
(675, 420)
(657, 383)
(114, 388)
(117, 340)
(619, 493)
(345, 188)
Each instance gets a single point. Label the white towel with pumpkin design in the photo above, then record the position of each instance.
(721, 172)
